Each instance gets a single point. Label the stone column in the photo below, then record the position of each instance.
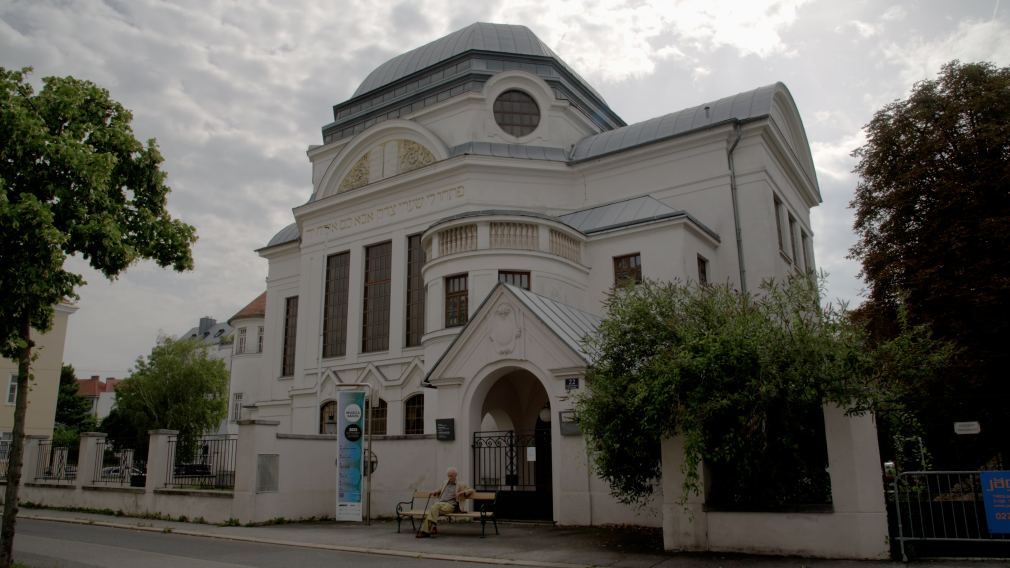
(255, 438)
(158, 463)
(685, 522)
(88, 461)
(857, 491)
(30, 458)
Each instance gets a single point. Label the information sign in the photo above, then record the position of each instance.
(996, 495)
(350, 454)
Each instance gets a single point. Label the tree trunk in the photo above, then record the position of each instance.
(14, 456)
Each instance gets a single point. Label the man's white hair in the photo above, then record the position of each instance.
(451, 470)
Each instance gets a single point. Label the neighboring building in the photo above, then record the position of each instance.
(246, 361)
(102, 394)
(217, 337)
(45, 386)
(473, 203)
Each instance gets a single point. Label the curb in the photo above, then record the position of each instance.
(311, 545)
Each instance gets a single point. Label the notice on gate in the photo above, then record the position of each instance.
(350, 454)
(996, 495)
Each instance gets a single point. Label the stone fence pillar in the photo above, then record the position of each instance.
(88, 461)
(158, 463)
(30, 458)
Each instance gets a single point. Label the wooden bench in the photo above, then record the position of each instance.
(481, 509)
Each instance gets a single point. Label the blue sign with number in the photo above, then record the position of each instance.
(996, 495)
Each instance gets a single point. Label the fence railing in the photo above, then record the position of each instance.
(56, 463)
(207, 464)
(116, 467)
(941, 506)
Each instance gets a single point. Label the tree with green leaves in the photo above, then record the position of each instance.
(177, 387)
(73, 181)
(73, 411)
(933, 220)
(743, 379)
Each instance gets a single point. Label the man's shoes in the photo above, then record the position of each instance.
(434, 530)
(422, 535)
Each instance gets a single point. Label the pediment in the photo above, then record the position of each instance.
(505, 328)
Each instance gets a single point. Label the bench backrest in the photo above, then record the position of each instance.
(475, 496)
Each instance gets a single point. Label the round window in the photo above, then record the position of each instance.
(516, 113)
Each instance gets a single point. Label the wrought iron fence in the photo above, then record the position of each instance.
(56, 463)
(942, 506)
(209, 463)
(500, 461)
(116, 467)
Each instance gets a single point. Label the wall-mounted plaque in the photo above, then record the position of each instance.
(445, 429)
(569, 426)
(571, 383)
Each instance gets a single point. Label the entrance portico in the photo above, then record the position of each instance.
(503, 381)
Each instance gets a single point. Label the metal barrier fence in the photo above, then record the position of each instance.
(116, 467)
(942, 506)
(56, 463)
(207, 464)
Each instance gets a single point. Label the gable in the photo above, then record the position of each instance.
(508, 328)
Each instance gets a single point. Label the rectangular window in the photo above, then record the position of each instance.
(808, 254)
(338, 268)
(628, 269)
(792, 238)
(290, 327)
(415, 291)
(702, 270)
(240, 343)
(778, 223)
(413, 415)
(259, 339)
(236, 407)
(515, 278)
(375, 417)
(456, 300)
(375, 311)
(12, 389)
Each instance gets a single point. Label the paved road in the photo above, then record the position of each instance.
(43, 544)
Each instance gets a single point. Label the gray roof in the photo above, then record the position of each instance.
(285, 235)
(502, 150)
(634, 211)
(501, 38)
(749, 105)
(571, 325)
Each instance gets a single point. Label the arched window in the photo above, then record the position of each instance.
(375, 418)
(328, 418)
(413, 415)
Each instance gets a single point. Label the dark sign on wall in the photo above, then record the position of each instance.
(571, 383)
(445, 429)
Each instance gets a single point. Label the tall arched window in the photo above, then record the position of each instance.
(328, 418)
(413, 415)
(375, 418)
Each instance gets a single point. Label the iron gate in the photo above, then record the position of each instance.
(517, 465)
(941, 506)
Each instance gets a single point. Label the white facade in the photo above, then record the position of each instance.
(723, 188)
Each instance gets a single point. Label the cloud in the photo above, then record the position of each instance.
(615, 40)
(921, 58)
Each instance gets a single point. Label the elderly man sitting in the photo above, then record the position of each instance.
(449, 498)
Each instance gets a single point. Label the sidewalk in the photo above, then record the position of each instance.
(517, 545)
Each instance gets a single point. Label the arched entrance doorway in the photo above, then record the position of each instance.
(511, 449)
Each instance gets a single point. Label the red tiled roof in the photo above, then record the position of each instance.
(255, 308)
(94, 386)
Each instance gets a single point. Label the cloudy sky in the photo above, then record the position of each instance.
(235, 91)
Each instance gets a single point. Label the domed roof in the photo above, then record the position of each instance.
(480, 36)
